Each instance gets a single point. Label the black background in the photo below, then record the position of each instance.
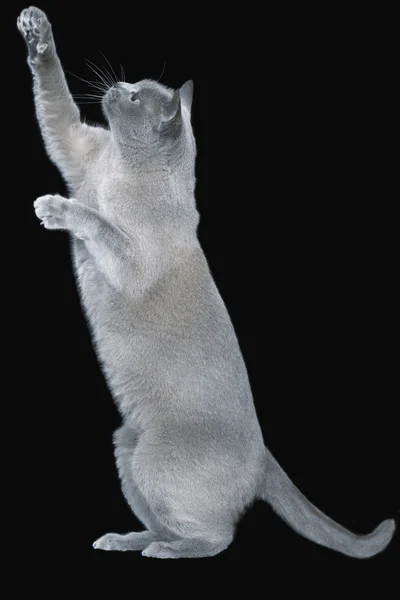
(297, 195)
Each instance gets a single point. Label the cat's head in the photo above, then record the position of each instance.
(148, 113)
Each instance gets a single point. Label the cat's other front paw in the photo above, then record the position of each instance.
(35, 28)
(52, 211)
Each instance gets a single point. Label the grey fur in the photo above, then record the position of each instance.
(190, 452)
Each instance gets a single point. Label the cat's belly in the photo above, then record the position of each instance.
(155, 368)
(127, 353)
(103, 306)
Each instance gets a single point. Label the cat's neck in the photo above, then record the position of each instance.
(154, 174)
(142, 158)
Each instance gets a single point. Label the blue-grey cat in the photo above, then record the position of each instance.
(190, 452)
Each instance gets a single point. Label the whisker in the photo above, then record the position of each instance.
(99, 74)
(122, 73)
(86, 97)
(98, 94)
(162, 72)
(106, 74)
(112, 69)
(88, 102)
(97, 71)
(91, 83)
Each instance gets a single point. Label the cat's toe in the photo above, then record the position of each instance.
(23, 24)
(35, 28)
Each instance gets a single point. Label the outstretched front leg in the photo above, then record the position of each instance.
(115, 253)
(68, 141)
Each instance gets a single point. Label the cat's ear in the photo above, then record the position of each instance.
(186, 95)
(172, 114)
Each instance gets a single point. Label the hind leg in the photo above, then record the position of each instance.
(189, 547)
(195, 522)
(194, 533)
(125, 442)
(184, 517)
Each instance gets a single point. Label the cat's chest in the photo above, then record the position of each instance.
(111, 193)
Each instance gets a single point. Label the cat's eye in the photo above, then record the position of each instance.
(135, 97)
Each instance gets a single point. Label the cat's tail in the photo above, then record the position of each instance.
(294, 508)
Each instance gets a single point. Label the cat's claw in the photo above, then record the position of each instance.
(36, 30)
(52, 211)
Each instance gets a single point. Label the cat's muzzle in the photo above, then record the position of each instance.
(112, 95)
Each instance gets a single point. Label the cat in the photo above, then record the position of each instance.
(190, 452)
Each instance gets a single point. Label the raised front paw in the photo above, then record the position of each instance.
(52, 210)
(36, 30)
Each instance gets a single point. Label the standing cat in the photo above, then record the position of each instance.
(190, 452)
